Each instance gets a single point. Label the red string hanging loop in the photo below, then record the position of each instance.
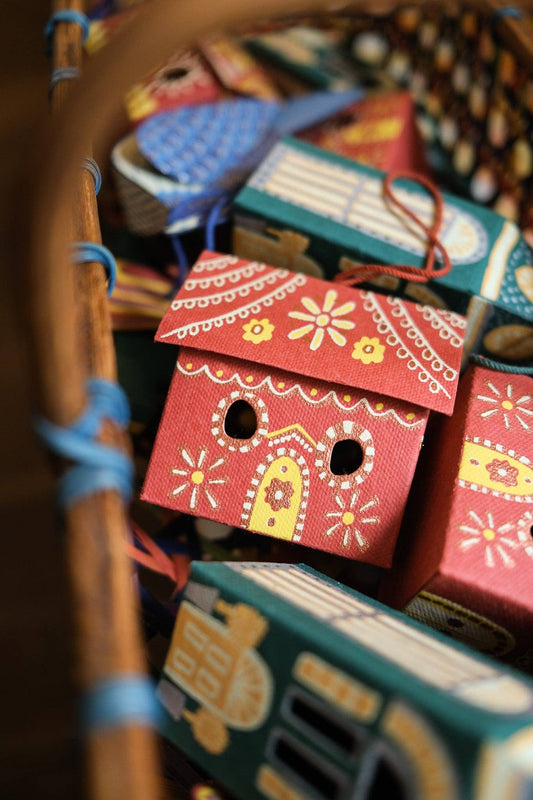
(176, 567)
(431, 269)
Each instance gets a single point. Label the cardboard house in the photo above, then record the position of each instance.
(465, 564)
(379, 130)
(298, 407)
(285, 685)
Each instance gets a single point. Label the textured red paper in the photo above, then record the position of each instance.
(319, 330)
(184, 79)
(471, 542)
(280, 480)
(380, 131)
(236, 69)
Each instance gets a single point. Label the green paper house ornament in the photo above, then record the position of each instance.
(314, 211)
(285, 685)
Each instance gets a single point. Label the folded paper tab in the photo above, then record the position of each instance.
(298, 408)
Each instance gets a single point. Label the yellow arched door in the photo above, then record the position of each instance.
(276, 508)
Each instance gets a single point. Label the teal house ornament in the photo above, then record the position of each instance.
(285, 685)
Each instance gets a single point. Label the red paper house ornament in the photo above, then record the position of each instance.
(298, 407)
(469, 546)
(379, 130)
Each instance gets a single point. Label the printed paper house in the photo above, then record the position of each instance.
(308, 203)
(380, 131)
(235, 67)
(182, 80)
(469, 546)
(298, 407)
(284, 685)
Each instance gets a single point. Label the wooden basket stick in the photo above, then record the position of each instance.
(122, 761)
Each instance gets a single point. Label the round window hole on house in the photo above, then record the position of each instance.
(175, 74)
(346, 457)
(240, 421)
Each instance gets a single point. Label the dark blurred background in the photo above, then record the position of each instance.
(38, 752)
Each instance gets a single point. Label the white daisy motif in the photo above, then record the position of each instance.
(199, 478)
(494, 541)
(350, 519)
(323, 319)
(519, 409)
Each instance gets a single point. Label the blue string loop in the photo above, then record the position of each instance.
(183, 263)
(62, 74)
(121, 700)
(497, 366)
(91, 251)
(68, 15)
(507, 11)
(109, 400)
(97, 466)
(214, 218)
(91, 166)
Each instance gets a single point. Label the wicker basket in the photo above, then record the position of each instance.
(470, 67)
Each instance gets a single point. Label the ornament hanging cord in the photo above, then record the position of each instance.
(431, 269)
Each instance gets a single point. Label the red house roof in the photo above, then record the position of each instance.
(327, 331)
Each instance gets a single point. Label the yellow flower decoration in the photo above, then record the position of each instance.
(323, 319)
(369, 351)
(257, 330)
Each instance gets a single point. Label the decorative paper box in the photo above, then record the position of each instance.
(303, 202)
(285, 685)
(297, 409)
(183, 80)
(380, 131)
(236, 69)
(469, 545)
(314, 55)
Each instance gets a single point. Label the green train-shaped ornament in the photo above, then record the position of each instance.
(285, 685)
